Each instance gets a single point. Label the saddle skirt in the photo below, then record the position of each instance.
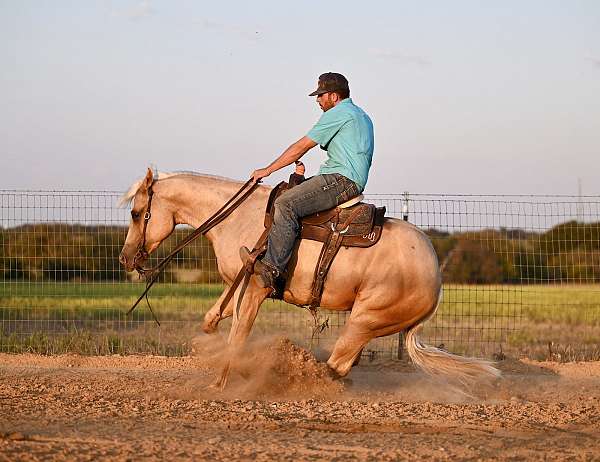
(359, 225)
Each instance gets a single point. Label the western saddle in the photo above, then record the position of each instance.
(351, 224)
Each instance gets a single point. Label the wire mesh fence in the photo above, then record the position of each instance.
(521, 273)
(521, 276)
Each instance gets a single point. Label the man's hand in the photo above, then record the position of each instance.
(260, 173)
(290, 155)
(300, 168)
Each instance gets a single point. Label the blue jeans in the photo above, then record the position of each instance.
(318, 193)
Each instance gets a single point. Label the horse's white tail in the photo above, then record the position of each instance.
(435, 361)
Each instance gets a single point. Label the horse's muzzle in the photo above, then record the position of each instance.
(125, 263)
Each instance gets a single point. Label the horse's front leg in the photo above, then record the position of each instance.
(214, 315)
(242, 324)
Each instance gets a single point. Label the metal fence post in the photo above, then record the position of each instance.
(405, 218)
(405, 206)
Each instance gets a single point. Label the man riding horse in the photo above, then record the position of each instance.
(386, 273)
(345, 132)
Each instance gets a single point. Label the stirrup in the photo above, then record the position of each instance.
(266, 274)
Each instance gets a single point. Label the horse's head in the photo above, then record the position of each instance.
(151, 222)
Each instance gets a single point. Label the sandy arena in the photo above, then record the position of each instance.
(282, 405)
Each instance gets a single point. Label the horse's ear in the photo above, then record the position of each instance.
(148, 180)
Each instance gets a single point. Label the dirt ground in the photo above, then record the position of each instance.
(281, 404)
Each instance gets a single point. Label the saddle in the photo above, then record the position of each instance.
(351, 224)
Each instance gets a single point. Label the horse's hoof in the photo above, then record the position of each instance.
(210, 327)
(333, 374)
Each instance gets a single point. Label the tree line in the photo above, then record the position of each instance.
(63, 252)
(569, 252)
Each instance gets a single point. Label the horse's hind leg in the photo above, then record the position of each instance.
(349, 346)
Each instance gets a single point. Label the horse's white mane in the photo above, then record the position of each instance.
(128, 196)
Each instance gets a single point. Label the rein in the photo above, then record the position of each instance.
(151, 274)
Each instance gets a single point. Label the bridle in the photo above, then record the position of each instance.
(142, 254)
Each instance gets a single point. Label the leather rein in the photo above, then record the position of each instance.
(151, 274)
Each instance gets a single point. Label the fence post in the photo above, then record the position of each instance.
(401, 344)
(405, 218)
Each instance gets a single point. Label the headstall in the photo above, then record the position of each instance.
(142, 254)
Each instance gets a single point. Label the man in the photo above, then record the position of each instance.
(346, 132)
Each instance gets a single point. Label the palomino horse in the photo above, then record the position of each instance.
(391, 287)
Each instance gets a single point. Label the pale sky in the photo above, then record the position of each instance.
(465, 96)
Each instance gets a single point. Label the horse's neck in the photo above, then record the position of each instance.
(195, 199)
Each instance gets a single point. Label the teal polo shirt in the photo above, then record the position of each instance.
(346, 132)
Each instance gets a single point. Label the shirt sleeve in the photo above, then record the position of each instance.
(327, 126)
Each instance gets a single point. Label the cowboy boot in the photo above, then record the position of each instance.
(266, 274)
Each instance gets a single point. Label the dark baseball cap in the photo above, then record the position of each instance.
(329, 82)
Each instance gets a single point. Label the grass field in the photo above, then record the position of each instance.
(540, 321)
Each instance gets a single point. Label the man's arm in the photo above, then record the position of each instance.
(290, 155)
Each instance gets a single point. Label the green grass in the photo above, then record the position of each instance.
(566, 304)
(102, 301)
(89, 343)
(90, 318)
(103, 289)
(520, 320)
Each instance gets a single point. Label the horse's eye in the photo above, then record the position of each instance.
(135, 215)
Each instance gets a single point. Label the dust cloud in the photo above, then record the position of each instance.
(266, 369)
(274, 368)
